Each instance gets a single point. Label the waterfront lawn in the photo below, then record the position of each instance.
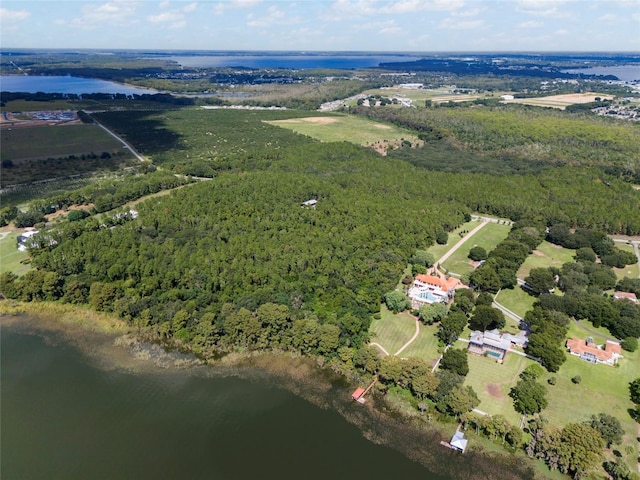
(602, 389)
(392, 331)
(630, 271)
(487, 237)
(516, 299)
(10, 257)
(492, 382)
(546, 255)
(425, 346)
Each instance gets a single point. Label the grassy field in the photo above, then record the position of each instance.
(487, 237)
(603, 389)
(560, 101)
(425, 346)
(492, 382)
(454, 236)
(516, 300)
(10, 256)
(345, 128)
(392, 331)
(630, 271)
(546, 255)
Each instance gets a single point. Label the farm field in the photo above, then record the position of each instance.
(560, 101)
(10, 256)
(516, 300)
(392, 331)
(487, 237)
(344, 128)
(492, 382)
(546, 255)
(630, 271)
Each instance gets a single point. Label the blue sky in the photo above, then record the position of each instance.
(339, 25)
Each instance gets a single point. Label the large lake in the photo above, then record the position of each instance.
(65, 84)
(626, 73)
(67, 415)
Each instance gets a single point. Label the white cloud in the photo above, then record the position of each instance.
(345, 9)
(530, 24)
(451, 23)
(174, 19)
(164, 4)
(7, 15)
(542, 8)
(274, 16)
(608, 17)
(190, 8)
(562, 31)
(115, 13)
(221, 7)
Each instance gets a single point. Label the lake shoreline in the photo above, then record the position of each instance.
(110, 343)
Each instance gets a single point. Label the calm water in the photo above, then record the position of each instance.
(65, 418)
(289, 61)
(65, 84)
(626, 73)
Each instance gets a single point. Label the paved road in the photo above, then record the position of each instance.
(124, 144)
(444, 258)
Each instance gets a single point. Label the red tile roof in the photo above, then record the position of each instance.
(580, 346)
(357, 393)
(626, 295)
(442, 283)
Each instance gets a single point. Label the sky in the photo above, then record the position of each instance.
(323, 25)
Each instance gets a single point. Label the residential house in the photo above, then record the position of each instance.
(588, 351)
(490, 343)
(626, 296)
(430, 289)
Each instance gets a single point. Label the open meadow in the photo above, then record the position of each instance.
(516, 299)
(349, 128)
(629, 271)
(561, 101)
(438, 250)
(546, 255)
(487, 237)
(392, 331)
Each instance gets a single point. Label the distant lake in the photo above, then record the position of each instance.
(65, 84)
(626, 73)
(289, 61)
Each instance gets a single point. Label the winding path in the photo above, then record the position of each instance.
(450, 252)
(415, 335)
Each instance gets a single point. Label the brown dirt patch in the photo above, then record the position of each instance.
(382, 127)
(493, 389)
(538, 253)
(316, 120)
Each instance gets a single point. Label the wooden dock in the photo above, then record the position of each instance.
(359, 393)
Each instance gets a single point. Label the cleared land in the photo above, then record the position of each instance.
(392, 331)
(492, 382)
(425, 346)
(454, 236)
(487, 237)
(630, 271)
(546, 255)
(10, 256)
(344, 128)
(560, 101)
(516, 300)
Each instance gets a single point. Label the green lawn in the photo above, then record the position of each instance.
(630, 271)
(454, 237)
(492, 382)
(346, 128)
(392, 331)
(516, 300)
(487, 237)
(425, 346)
(603, 389)
(10, 256)
(546, 255)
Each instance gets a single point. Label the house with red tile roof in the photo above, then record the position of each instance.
(587, 350)
(626, 296)
(430, 289)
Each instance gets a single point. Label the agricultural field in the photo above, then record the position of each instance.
(487, 237)
(39, 153)
(392, 331)
(560, 101)
(492, 382)
(10, 257)
(630, 271)
(546, 255)
(342, 128)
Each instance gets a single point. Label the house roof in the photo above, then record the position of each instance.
(626, 295)
(357, 393)
(458, 441)
(442, 283)
(493, 338)
(606, 354)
